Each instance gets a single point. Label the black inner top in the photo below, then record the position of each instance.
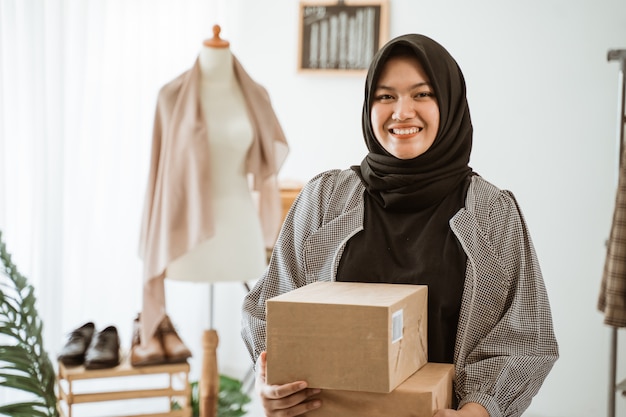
(414, 247)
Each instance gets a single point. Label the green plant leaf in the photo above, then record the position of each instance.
(25, 363)
(13, 366)
(12, 332)
(24, 383)
(231, 398)
(12, 306)
(25, 409)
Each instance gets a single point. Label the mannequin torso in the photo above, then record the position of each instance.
(236, 251)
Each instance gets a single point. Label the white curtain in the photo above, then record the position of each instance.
(78, 87)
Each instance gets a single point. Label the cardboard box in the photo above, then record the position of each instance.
(425, 392)
(347, 336)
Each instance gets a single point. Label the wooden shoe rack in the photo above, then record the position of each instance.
(177, 388)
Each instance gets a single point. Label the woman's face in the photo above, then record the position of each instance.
(404, 113)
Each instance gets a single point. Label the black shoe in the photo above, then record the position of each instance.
(104, 350)
(73, 353)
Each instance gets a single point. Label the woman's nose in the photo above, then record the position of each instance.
(404, 110)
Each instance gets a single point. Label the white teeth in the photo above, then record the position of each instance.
(410, 131)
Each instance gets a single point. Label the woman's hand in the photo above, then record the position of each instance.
(468, 410)
(286, 400)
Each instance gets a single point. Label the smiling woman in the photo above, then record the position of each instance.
(414, 212)
(405, 114)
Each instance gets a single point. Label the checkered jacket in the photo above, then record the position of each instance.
(505, 343)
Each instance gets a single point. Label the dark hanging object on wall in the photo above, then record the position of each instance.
(612, 299)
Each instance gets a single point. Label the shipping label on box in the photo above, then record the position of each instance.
(421, 395)
(347, 336)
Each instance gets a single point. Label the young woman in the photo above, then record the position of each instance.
(415, 212)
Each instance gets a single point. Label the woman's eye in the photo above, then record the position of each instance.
(424, 94)
(383, 97)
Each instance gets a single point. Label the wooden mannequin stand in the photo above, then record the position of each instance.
(209, 381)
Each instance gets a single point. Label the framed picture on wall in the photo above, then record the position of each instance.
(340, 37)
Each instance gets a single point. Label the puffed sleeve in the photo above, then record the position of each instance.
(506, 345)
(286, 270)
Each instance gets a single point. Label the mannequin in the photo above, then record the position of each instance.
(236, 251)
(215, 138)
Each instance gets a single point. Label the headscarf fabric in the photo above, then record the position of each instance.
(407, 184)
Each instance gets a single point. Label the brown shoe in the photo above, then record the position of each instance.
(175, 349)
(150, 354)
(104, 350)
(73, 352)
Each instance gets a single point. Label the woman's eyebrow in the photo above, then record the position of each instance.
(385, 87)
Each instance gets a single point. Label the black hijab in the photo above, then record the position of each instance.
(426, 179)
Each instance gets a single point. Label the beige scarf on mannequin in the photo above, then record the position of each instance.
(177, 217)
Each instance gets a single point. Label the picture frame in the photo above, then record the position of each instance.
(340, 37)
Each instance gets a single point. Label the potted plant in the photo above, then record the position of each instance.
(24, 363)
(231, 398)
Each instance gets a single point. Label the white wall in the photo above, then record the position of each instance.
(544, 107)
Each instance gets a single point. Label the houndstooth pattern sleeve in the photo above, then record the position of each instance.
(298, 258)
(505, 343)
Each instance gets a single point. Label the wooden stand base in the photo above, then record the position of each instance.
(209, 381)
(178, 387)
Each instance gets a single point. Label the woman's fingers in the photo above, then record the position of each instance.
(274, 392)
(292, 399)
(297, 410)
(285, 400)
